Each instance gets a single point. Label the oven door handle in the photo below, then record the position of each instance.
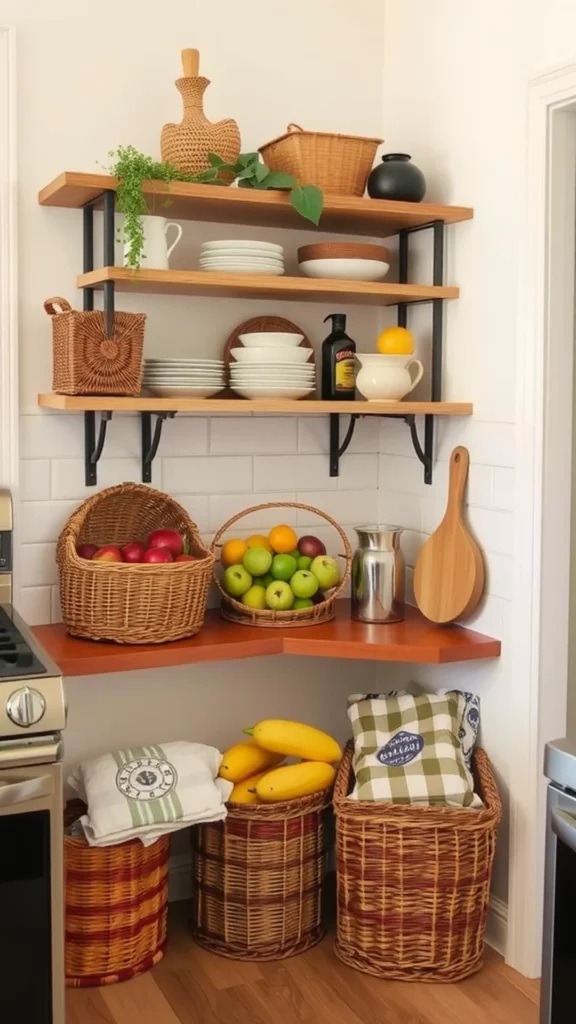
(24, 790)
(563, 824)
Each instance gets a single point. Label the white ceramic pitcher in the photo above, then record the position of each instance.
(387, 378)
(156, 250)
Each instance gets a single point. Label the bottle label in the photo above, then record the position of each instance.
(344, 374)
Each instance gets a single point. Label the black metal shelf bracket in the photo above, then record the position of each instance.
(150, 441)
(108, 198)
(93, 446)
(337, 449)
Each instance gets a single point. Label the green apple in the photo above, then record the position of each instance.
(304, 583)
(295, 554)
(303, 602)
(283, 567)
(257, 561)
(326, 570)
(255, 597)
(279, 595)
(263, 581)
(304, 562)
(237, 580)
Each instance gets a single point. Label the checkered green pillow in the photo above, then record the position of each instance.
(407, 750)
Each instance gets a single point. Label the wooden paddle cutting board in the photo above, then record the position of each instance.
(449, 572)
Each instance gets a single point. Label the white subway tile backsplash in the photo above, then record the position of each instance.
(38, 565)
(488, 617)
(34, 605)
(480, 485)
(400, 510)
(314, 435)
(349, 508)
(184, 435)
(491, 444)
(51, 436)
(196, 506)
(406, 474)
(223, 506)
(504, 489)
(293, 473)
(411, 544)
(253, 435)
(34, 479)
(499, 576)
(68, 476)
(42, 521)
(492, 529)
(209, 475)
(357, 472)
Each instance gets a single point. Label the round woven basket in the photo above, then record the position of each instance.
(120, 601)
(324, 611)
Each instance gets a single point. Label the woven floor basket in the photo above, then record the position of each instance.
(86, 361)
(131, 604)
(259, 877)
(414, 882)
(338, 164)
(324, 611)
(116, 908)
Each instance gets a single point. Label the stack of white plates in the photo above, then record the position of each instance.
(232, 256)
(184, 378)
(276, 368)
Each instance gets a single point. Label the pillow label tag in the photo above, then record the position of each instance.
(401, 749)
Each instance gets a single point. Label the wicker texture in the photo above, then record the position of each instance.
(338, 164)
(116, 908)
(259, 877)
(188, 144)
(324, 611)
(86, 361)
(132, 604)
(414, 882)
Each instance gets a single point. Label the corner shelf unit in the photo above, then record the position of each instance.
(342, 214)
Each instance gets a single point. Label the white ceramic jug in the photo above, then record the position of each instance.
(156, 250)
(387, 378)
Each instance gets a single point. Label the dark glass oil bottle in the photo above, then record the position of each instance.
(338, 371)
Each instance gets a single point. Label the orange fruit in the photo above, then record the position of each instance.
(282, 539)
(233, 552)
(395, 341)
(258, 540)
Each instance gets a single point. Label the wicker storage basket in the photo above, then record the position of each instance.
(414, 882)
(259, 877)
(116, 907)
(324, 611)
(131, 604)
(86, 361)
(338, 164)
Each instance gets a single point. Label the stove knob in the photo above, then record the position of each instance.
(26, 707)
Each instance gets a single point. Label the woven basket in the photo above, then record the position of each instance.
(338, 164)
(116, 907)
(414, 882)
(259, 877)
(131, 604)
(324, 611)
(86, 361)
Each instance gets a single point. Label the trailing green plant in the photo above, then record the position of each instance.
(133, 168)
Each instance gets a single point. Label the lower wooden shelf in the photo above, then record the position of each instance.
(219, 406)
(414, 640)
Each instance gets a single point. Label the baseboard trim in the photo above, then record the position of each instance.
(497, 925)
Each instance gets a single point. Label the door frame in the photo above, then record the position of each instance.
(544, 404)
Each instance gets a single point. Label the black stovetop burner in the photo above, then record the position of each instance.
(16, 656)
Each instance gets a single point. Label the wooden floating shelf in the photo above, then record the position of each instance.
(259, 286)
(97, 403)
(414, 640)
(343, 214)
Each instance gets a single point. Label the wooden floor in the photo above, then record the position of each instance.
(191, 986)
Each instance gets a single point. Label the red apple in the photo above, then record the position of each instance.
(110, 553)
(167, 539)
(157, 555)
(311, 546)
(185, 558)
(133, 552)
(86, 550)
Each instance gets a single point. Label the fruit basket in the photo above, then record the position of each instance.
(322, 610)
(122, 601)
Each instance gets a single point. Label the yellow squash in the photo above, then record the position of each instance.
(294, 780)
(245, 792)
(294, 739)
(244, 759)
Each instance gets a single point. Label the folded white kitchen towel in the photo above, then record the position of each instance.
(146, 792)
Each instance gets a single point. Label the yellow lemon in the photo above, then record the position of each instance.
(396, 341)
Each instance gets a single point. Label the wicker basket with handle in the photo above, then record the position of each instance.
(414, 881)
(324, 611)
(86, 361)
(120, 601)
(338, 164)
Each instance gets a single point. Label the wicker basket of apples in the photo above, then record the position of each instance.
(132, 568)
(279, 579)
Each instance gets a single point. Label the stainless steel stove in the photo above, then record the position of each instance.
(32, 717)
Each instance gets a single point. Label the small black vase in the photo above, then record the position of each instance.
(397, 178)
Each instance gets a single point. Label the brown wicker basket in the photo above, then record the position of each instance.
(338, 164)
(414, 882)
(86, 361)
(116, 907)
(324, 611)
(259, 877)
(127, 603)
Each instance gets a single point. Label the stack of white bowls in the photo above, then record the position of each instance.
(271, 364)
(233, 256)
(184, 378)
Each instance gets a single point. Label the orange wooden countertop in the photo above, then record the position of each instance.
(414, 640)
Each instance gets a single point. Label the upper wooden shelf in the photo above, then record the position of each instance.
(343, 214)
(414, 640)
(143, 403)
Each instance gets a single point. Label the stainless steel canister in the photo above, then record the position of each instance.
(378, 572)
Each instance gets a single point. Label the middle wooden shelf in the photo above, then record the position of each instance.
(221, 406)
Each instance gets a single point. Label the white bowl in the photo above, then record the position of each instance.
(346, 270)
(270, 339)
(213, 261)
(236, 243)
(272, 392)
(244, 268)
(266, 254)
(272, 370)
(178, 391)
(281, 354)
(275, 382)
